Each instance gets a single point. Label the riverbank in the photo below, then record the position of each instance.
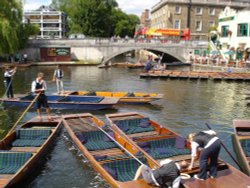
(52, 63)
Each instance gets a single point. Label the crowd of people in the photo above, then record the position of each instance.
(218, 60)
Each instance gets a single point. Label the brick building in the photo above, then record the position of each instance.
(198, 15)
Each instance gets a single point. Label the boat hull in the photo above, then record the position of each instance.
(26, 171)
(241, 125)
(97, 166)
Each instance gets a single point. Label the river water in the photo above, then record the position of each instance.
(186, 107)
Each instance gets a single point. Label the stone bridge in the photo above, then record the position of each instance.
(96, 50)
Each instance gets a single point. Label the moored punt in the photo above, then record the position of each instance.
(116, 166)
(22, 150)
(123, 97)
(135, 66)
(197, 75)
(160, 143)
(104, 66)
(66, 102)
(241, 143)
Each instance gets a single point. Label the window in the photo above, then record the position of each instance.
(177, 10)
(177, 24)
(224, 30)
(211, 23)
(198, 11)
(198, 26)
(211, 11)
(243, 30)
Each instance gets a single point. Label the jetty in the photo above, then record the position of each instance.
(177, 74)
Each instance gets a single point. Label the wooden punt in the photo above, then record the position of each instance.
(66, 102)
(104, 66)
(136, 66)
(22, 150)
(107, 157)
(160, 143)
(123, 97)
(19, 65)
(241, 143)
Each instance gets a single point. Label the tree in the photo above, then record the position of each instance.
(10, 19)
(13, 33)
(97, 18)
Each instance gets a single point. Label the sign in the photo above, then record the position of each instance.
(226, 19)
(58, 51)
(62, 51)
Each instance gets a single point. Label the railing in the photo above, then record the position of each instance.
(51, 29)
(214, 48)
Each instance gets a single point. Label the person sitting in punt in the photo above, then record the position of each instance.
(210, 147)
(167, 175)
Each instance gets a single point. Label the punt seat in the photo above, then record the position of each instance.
(30, 137)
(95, 140)
(11, 162)
(136, 125)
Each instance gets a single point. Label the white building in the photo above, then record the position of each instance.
(52, 23)
(234, 28)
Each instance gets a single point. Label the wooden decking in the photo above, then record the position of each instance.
(175, 74)
(228, 178)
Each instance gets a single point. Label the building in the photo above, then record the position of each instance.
(234, 29)
(145, 19)
(198, 15)
(52, 23)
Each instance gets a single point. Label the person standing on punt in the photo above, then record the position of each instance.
(8, 74)
(58, 76)
(167, 175)
(210, 147)
(39, 86)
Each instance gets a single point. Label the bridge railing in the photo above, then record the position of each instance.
(109, 41)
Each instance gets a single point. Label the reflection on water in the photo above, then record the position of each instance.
(186, 107)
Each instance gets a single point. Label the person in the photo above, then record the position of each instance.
(8, 74)
(148, 65)
(211, 148)
(58, 76)
(167, 175)
(39, 86)
(25, 58)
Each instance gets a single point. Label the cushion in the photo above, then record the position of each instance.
(143, 144)
(180, 142)
(111, 171)
(83, 139)
(144, 123)
(162, 151)
(100, 157)
(124, 128)
(107, 138)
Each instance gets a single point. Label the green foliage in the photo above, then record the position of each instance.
(97, 18)
(13, 33)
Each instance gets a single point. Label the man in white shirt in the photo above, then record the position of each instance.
(168, 174)
(39, 86)
(8, 74)
(210, 145)
(58, 76)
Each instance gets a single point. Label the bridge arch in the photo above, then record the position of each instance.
(162, 50)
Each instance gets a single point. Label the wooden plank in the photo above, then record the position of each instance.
(25, 149)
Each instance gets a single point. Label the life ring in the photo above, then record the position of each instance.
(185, 176)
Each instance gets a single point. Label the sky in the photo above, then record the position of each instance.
(128, 6)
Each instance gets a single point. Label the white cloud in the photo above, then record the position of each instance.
(136, 6)
(35, 4)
